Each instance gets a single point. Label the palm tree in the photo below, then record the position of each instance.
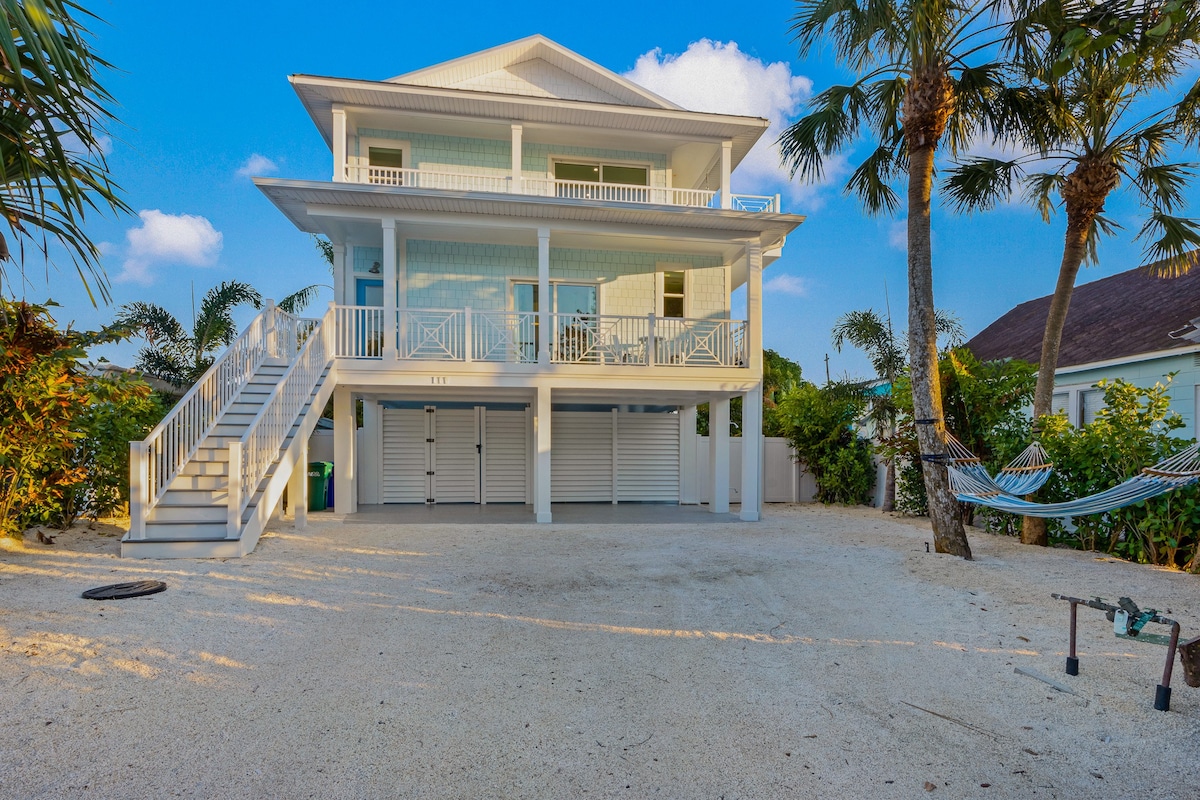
(873, 334)
(172, 353)
(916, 92)
(1090, 130)
(52, 131)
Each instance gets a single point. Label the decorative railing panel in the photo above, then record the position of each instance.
(700, 342)
(427, 179)
(431, 334)
(599, 339)
(504, 336)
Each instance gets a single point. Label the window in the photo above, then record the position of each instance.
(1091, 401)
(673, 294)
(602, 173)
(385, 157)
(574, 333)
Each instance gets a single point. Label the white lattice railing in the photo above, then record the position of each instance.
(699, 342)
(426, 179)
(155, 461)
(505, 336)
(431, 334)
(358, 332)
(551, 187)
(599, 339)
(252, 455)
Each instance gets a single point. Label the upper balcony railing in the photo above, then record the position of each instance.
(549, 187)
(513, 337)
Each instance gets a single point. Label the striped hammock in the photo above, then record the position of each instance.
(1026, 473)
(1181, 469)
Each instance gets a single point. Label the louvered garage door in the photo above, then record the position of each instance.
(647, 457)
(581, 456)
(404, 455)
(455, 456)
(505, 448)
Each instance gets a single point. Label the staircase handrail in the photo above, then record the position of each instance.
(253, 453)
(155, 461)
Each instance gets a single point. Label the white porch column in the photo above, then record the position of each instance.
(345, 430)
(726, 171)
(339, 145)
(718, 454)
(754, 322)
(515, 186)
(541, 468)
(340, 278)
(298, 488)
(389, 289)
(688, 494)
(752, 455)
(545, 332)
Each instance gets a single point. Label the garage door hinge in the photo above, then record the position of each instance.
(430, 441)
(429, 473)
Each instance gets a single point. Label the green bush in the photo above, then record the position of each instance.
(820, 424)
(1133, 431)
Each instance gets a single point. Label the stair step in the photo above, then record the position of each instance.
(186, 530)
(163, 513)
(209, 482)
(240, 417)
(198, 467)
(212, 454)
(194, 497)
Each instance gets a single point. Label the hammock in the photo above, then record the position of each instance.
(1025, 474)
(1181, 469)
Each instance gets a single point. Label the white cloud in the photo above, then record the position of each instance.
(787, 284)
(257, 164)
(718, 77)
(168, 239)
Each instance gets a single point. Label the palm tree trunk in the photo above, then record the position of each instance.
(889, 487)
(1083, 195)
(948, 533)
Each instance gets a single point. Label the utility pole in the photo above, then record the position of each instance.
(827, 381)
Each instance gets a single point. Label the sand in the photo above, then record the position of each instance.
(821, 653)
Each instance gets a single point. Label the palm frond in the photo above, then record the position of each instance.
(870, 182)
(1038, 190)
(152, 322)
(1101, 226)
(297, 301)
(980, 183)
(1171, 253)
(214, 325)
(833, 123)
(1164, 184)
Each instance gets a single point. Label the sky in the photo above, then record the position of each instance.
(204, 104)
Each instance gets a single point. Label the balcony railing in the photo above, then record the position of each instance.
(512, 337)
(549, 187)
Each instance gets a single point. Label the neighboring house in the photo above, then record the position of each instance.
(533, 265)
(1131, 326)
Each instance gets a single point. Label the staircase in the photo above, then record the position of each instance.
(205, 482)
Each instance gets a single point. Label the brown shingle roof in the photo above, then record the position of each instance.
(1117, 317)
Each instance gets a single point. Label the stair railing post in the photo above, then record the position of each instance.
(234, 520)
(139, 488)
(269, 318)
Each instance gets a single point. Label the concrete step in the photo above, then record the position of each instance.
(194, 497)
(163, 513)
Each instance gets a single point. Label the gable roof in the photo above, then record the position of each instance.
(535, 67)
(1119, 317)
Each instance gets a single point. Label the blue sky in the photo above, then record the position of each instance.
(203, 89)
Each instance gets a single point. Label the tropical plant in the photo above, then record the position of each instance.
(780, 376)
(1132, 431)
(820, 426)
(42, 394)
(52, 136)
(916, 92)
(172, 353)
(873, 334)
(1091, 122)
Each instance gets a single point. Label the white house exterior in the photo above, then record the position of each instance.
(533, 267)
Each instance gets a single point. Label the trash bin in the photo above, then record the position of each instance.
(319, 473)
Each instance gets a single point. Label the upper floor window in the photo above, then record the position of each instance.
(385, 157)
(602, 173)
(674, 293)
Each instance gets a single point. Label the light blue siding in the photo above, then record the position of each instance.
(1146, 374)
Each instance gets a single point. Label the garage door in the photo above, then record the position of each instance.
(581, 456)
(405, 456)
(647, 457)
(505, 450)
(454, 455)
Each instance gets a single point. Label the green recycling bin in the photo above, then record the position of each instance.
(319, 473)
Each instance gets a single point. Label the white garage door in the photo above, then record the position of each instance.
(405, 456)
(647, 457)
(581, 456)
(455, 455)
(505, 446)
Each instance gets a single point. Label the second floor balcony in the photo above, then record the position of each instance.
(515, 337)
(550, 187)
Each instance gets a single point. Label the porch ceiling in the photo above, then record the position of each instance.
(574, 396)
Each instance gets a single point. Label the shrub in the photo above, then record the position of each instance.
(819, 424)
